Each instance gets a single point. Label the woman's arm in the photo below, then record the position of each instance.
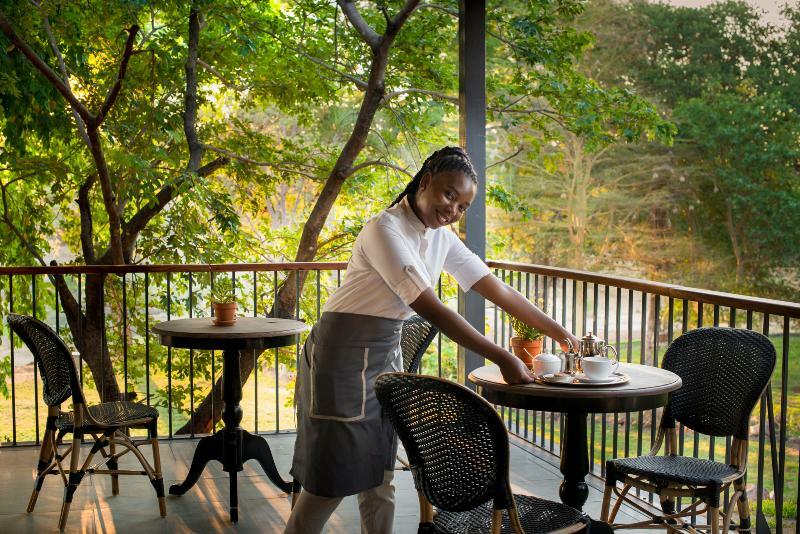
(459, 330)
(509, 299)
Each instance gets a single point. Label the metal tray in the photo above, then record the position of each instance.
(563, 379)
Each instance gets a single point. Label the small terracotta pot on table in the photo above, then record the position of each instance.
(224, 313)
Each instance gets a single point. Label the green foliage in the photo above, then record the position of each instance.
(222, 292)
(731, 81)
(523, 330)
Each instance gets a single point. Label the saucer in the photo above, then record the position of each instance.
(610, 379)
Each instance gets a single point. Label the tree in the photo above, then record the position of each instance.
(583, 197)
(731, 82)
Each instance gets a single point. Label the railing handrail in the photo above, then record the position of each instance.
(706, 296)
(176, 268)
(756, 304)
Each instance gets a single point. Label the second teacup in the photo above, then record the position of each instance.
(598, 367)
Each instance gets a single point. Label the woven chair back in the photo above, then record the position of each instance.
(456, 443)
(59, 376)
(417, 335)
(724, 372)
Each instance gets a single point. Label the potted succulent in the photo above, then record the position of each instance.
(223, 303)
(527, 341)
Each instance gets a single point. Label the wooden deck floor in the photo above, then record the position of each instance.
(204, 509)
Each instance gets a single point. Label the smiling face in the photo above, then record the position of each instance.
(442, 198)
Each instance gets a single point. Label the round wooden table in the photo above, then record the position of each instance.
(648, 388)
(231, 446)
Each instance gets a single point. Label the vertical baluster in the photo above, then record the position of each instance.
(13, 367)
(277, 376)
(595, 303)
(146, 337)
(516, 410)
(526, 414)
(124, 334)
(256, 368)
(617, 343)
(545, 301)
(604, 416)
(439, 335)
(213, 357)
(169, 356)
(35, 367)
(642, 361)
(780, 485)
(191, 359)
(630, 359)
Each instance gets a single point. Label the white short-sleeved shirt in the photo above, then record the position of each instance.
(395, 258)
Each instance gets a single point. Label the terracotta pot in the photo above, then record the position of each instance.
(526, 349)
(224, 313)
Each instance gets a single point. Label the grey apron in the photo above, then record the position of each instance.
(344, 443)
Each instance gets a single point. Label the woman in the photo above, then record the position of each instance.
(344, 446)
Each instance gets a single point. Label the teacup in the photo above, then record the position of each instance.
(598, 367)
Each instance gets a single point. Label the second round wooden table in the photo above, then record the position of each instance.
(231, 446)
(648, 388)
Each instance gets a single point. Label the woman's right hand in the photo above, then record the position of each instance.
(514, 371)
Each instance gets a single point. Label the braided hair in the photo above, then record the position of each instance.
(449, 158)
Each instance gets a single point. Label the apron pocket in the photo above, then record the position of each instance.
(338, 382)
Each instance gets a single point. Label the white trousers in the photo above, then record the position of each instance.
(311, 512)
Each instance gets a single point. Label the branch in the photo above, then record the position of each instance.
(85, 209)
(282, 166)
(123, 67)
(7, 219)
(515, 154)
(354, 169)
(168, 193)
(367, 33)
(361, 84)
(221, 78)
(401, 17)
(190, 102)
(64, 73)
(435, 94)
(42, 67)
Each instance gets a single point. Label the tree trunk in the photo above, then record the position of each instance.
(88, 332)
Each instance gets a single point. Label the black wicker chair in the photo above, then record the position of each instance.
(458, 450)
(107, 423)
(417, 335)
(724, 373)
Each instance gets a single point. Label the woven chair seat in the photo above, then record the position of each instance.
(662, 470)
(111, 414)
(536, 516)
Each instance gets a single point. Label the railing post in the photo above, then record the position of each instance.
(472, 135)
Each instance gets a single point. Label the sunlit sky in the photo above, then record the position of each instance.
(771, 8)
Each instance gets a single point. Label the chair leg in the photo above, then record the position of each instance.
(46, 454)
(742, 506)
(713, 519)
(668, 507)
(497, 521)
(158, 480)
(606, 503)
(113, 465)
(75, 477)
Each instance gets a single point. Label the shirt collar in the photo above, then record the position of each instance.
(412, 218)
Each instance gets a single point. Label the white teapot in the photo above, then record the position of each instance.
(546, 363)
